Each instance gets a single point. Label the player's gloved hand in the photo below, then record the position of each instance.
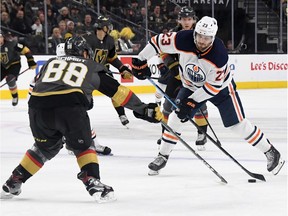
(125, 72)
(140, 69)
(162, 68)
(186, 107)
(152, 113)
(32, 64)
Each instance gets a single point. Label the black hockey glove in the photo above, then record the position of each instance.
(32, 64)
(163, 69)
(186, 108)
(125, 72)
(152, 113)
(140, 69)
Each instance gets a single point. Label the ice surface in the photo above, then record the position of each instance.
(184, 187)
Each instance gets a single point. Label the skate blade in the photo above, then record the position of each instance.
(108, 198)
(5, 195)
(153, 172)
(277, 169)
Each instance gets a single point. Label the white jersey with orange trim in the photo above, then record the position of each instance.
(206, 74)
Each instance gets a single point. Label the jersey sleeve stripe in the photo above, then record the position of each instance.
(154, 44)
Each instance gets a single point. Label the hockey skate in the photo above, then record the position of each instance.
(15, 101)
(159, 163)
(274, 160)
(124, 120)
(201, 141)
(102, 150)
(12, 187)
(100, 192)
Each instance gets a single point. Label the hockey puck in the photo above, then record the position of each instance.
(251, 180)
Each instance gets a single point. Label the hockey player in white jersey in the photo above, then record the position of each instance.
(205, 76)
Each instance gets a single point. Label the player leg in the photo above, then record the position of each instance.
(104, 150)
(11, 78)
(168, 139)
(232, 113)
(202, 123)
(121, 113)
(173, 86)
(77, 132)
(47, 144)
(100, 149)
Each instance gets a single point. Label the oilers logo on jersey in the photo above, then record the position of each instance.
(195, 73)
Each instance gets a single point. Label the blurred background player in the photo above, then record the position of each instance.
(11, 63)
(170, 79)
(58, 108)
(105, 53)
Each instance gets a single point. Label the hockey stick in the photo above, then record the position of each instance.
(156, 78)
(254, 175)
(194, 152)
(14, 78)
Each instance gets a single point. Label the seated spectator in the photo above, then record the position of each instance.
(37, 27)
(64, 14)
(87, 27)
(5, 19)
(75, 14)
(125, 44)
(21, 24)
(70, 30)
(157, 20)
(32, 7)
(54, 40)
(62, 27)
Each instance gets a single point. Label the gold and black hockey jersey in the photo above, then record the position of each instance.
(11, 51)
(104, 51)
(66, 81)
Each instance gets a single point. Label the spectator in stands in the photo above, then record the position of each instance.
(62, 27)
(141, 18)
(37, 27)
(173, 17)
(51, 17)
(75, 14)
(4, 7)
(70, 30)
(32, 7)
(57, 5)
(64, 14)
(157, 20)
(5, 19)
(21, 24)
(54, 40)
(88, 24)
(125, 44)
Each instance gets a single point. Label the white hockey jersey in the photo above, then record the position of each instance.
(206, 74)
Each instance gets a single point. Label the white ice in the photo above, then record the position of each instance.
(184, 187)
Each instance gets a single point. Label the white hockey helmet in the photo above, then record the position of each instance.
(206, 26)
(60, 49)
